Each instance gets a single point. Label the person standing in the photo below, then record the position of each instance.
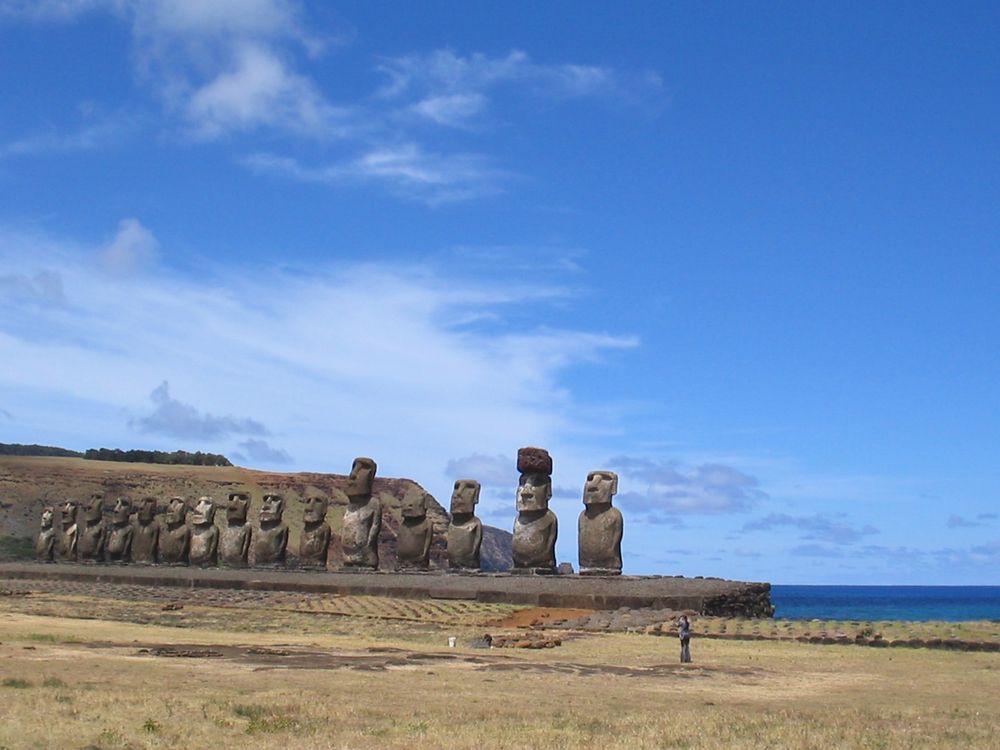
(684, 633)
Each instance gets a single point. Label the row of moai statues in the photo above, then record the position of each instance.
(536, 527)
(189, 536)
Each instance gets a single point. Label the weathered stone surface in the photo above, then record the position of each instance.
(45, 543)
(536, 527)
(600, 526)
(119, 546)
(271, 540)
(145, 533)
(577, 592)
(413, 538)
(92, 535)
(234, 545)
(362, 517)
(465, 532)
(174, 541)
(314, 543)
(534, 461)
(204, 550)
(69, 535)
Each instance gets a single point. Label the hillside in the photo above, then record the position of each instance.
(29, 483)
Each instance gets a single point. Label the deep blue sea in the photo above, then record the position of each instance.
(886, 602)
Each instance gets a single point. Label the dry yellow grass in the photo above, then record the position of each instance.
(351, 682)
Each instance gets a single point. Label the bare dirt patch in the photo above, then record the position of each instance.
(533, 617)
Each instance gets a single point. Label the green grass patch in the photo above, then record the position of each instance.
(14, 682)
(17, 548)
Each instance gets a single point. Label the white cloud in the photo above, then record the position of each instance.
(101, 133)
(405, 169)
(709, 488)
(451, 109)
(452, 89)
(133, 247)
(342, 361)
(258, 89)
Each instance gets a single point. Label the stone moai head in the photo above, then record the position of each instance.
(176, 511)
(94, 511)
(534, 492)
(362, 478)
(121, 510)
(48, 513)
(204, 512)
(465, 496)
(272, 509)
(315, 508)
(535, 486)
(68, 512)
(236, 510)
(147, 510)
(601, 486)
(414, 505)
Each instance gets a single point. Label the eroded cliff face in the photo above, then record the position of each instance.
(28, 484)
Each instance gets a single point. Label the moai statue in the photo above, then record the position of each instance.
(362, 518)
(70, 532)
(235, 544)
(145, 533)
(600, 527)
(204, 549)
(315, 540)
(465, 532)
(120, 533)
(174, 543)
(536, 527)
(93, 534)
(413, 540)
(45, 545)
(271, 540)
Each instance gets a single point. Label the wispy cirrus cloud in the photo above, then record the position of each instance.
(454, 90)
(405, 169)
(96, 132)
(815, 527)
(345, 360)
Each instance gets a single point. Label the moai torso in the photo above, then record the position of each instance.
(314, 543)
(204, 544)
(600, 527)
(362, 518)
(234, 542)
(413, 540)
(534, 543)
(465, 538)
(69, 534)
(119, 544)
(174, 541)
(92, 535)
(536, 527)
(465, 532)
(145, 533)
(45, 544)
(270, 543)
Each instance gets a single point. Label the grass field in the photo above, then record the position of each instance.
(92, 671)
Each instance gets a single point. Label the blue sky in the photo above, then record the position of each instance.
(745, 256)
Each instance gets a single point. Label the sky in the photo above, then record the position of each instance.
(744, 255)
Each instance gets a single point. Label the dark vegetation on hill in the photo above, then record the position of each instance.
(117, 454)
(17, 449)
(27, 484)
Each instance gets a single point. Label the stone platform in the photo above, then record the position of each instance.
(709, 596)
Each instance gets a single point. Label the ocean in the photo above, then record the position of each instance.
(886, 602)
